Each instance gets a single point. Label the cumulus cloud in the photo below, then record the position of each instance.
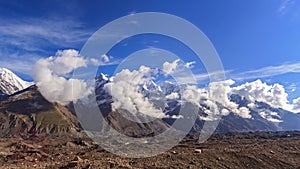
(126, 93)
(170, 68)
(219, 92)
(65, 61)
(296, 105)
(270, 116)
(216, 93)
(190, 65)
(50, 75)
(125, 90)
(274, 95)
(244, 112)
(173, 95)
(105, 58)
(194, 95)
(251, 105)
(213, 100)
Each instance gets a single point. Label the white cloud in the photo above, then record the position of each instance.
(220, 91)
(267, 71)
(34, 34)
(18, 62)
(225, 112)
(291, 88)
(205, 76)
(190, 65)
(95, 62)
(285, 6)
(24, 67)
(65, 61)
(50, 73)
(270, 116)
(251, 105)
(173, 95)
(274, 95)
(180, 71)
(264, 72)
(170, 68)
(216, 93)
(244, 112)
(27, 39)
(126, 95)
(296, 105)
(105, 58)
(194, 95)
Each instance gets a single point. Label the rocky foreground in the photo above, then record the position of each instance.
(233, 150)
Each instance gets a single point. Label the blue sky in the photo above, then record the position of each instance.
(254, 39)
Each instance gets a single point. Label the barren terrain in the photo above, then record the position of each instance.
(232, 150)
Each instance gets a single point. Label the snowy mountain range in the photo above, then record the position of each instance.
(165, 96)
(11, 83)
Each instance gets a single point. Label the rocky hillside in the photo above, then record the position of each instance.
(28, 112)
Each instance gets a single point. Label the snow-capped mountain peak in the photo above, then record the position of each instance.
(101, 80)
(11, 83)
(168, 87)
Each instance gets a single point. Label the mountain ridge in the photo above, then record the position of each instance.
(264, 116)
(27, 111)
(10, 83)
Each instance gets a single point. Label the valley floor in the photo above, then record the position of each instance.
(233, 150)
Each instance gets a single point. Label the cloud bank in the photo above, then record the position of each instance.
(51, 77)
(125, 90)
(211, 98)
(274, 95)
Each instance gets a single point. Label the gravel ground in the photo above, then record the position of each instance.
(233, 150)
